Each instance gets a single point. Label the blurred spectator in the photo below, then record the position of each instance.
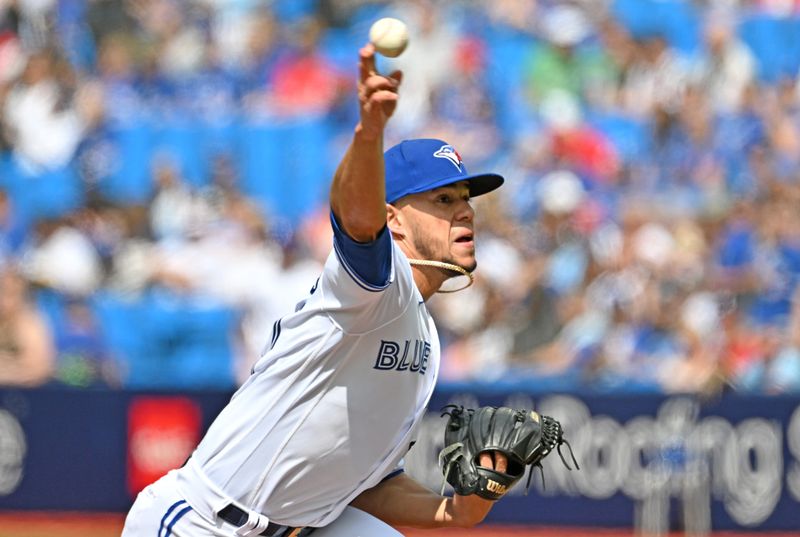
(647, 238)
(726, 67)
(43, 124)
(12, 231)
(513, 15)
(173, 205)
(261, 53)
(120, 85)
(110, 17)
(428, 63)
(656, 79)
(83, 358)
(61, 257)
(562, 63)
(778, 8)
(12, 55)
(274, 289)
(463, 108)
(26, 343)
(574, 142)
(304, 82)
(782, 372)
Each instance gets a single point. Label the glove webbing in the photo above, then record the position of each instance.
(552, 436)
(458, 445)
(442, 455)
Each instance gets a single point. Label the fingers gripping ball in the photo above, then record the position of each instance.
(389, 36)
(523, 436)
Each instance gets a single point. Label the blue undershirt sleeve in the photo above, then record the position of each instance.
(368, 263)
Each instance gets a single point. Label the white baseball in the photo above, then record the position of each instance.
(390, 36)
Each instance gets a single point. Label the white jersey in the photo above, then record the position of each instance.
(333, 404)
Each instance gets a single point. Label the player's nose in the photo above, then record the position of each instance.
(464, 211)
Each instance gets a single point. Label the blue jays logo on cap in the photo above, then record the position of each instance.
(449, 152)
(414, 166)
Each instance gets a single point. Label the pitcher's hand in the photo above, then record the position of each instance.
(471, 510)
(377, 94)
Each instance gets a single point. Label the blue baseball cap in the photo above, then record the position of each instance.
(414, 166)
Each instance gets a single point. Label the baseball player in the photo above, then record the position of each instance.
(313, 441)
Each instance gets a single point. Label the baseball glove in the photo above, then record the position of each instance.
(523, 436)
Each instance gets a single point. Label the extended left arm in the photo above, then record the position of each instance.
(402, 502)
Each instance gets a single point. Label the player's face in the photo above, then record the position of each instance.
(438, 225)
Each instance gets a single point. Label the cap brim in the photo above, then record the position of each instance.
(479, 184)
(482, 183)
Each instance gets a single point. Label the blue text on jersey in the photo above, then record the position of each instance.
(389, 356)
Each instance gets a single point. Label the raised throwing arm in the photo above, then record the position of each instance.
(358, 192)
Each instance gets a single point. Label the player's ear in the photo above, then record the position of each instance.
(394, 221)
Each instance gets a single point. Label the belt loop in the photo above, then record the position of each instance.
(256, 523)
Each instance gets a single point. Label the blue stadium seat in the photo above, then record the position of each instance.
(51, 304)
(677, 20)
(131, 181)
(192, 144)
(639, 17)
(130, 347)
(288, 11)
(182, 143)
(775, 43)
(189, 345)
(505, 77)
(286, 166)
(310, 166)
(631, 137)
(364, 15)
(259, 153)
(43, 194)
(207, 358)
(339, 45)
(5, 170)
(680, 23)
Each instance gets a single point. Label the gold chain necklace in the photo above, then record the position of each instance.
(446, 266)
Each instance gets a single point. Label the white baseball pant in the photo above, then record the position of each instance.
(160, 511)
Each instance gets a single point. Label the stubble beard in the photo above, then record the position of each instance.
(422, 244)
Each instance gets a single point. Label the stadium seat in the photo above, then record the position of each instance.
(505, 77)
(192, 144)
(337, 46)
(45, 193)
(289, 11)
(285, 166)
(190, 344)
(630, 137)
(131, 181)
(776, 45)
(637, 16)
(676, 20)
(130, 348)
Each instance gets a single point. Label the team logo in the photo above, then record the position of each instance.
(449, 152)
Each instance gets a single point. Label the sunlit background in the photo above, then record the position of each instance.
(164, 167)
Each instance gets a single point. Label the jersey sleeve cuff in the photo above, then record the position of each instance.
(368, 263)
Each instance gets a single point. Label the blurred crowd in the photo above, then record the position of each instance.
(164, 166)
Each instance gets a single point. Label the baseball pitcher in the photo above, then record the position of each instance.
(313, 441)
